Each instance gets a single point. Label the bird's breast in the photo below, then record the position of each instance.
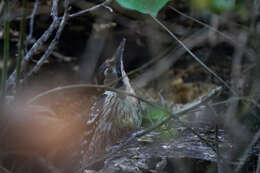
(124, 112)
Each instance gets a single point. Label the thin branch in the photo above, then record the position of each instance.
(103, 4)
(54, 9)
(4, 170)
(62, 57)
(238, 59)
(245, 154)
(182, 111)
(46, 35)
(35, 8)
(219, 160)
(204, 24)
(53, 42)
(258, 164)
(21, 42)
(164, 63)
(195, 57)
(36, 46)
(174, 115)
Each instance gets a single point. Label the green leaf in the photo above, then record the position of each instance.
(216, 6)
(223, 5)
(151, 7)
(155, 114)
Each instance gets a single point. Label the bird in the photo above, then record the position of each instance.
(114, 114)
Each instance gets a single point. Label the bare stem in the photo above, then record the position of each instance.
(195, 57)
(6, 49)
(53, 42)
(21, 43)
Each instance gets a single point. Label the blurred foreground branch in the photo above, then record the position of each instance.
(57, 22)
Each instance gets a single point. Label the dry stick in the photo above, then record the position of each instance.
(198, 60)
(103, 4)
(4, 170)
(219, 157)
(54, 10)
(35, 8)
(196, 39)
(46, 35)
(37, 45)
(236, 63)
(202, 23)
(230, 39)
(253, 142)
(232, 99)
(166, 62)
(21, 42)
(62, 57)
(258, 164)
(53, 42)
(237, 59)
(235, 75)
(187, 108)
(245, 154)
(195, 57)
(145, 65)
(175, 115)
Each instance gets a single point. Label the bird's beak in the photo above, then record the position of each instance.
(111, 69)
(118, 55)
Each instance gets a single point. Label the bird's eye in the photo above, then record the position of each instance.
(107, 71)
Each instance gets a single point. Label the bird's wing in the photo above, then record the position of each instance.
(96, 111)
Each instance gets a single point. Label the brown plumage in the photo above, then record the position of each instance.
(113, 115)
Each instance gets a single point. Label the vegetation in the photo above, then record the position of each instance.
(193, 65)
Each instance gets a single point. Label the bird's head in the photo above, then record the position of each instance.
(111, 70)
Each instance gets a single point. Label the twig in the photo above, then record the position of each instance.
(46, 35)
(160, 123)
(237, 59)
(195, 57)
(21, 43)
(37, 45)
(103, 4)
(209, 95)
(53, 42)
(166, 62)
(4, 170)
(202, 23)
(54, 10)
(35, 8)
(245, 154)
(174, 115)
(233, 99)
(161, 56)
(219, 160)
(182, 111)
(258, 164)
(63, 57)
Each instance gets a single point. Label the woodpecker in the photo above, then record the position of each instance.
(114, 114)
